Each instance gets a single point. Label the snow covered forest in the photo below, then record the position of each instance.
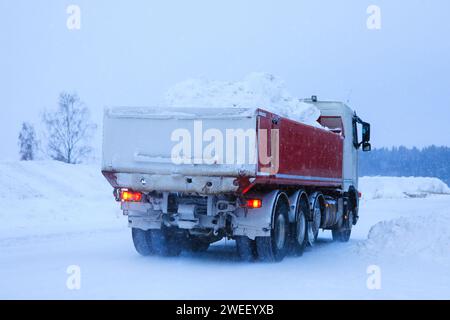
(432, 161)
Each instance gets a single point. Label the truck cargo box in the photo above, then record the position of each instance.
(141, 150)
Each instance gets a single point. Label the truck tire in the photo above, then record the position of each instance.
(275, 247)
(314, 224)
(142, 241)
(343, 231)
(194, 244)
(246, 248)
(300, 229)
(166, 241)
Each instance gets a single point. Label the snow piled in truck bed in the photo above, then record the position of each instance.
(256, 90)
(401, 187)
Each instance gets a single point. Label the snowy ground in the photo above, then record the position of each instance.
(54, 216)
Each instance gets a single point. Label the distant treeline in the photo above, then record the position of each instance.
(431, 161)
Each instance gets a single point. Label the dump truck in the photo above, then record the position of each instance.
(189, 177)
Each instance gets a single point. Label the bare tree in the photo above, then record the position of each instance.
(27, 142)
(69, 129)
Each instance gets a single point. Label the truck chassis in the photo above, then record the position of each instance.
(266, 224)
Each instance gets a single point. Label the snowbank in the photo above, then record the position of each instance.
(421, 231)
(401, 187)
(51, 180)
(45, 197)
(425, 236)
(256, 90)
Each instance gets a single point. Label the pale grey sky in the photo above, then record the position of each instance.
(130, 52)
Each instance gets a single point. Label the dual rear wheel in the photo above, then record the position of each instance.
(284, 237)
(275, 247)
(166, 242)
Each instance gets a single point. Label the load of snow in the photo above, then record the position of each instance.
(426, 236)
(256, 90)
(401, 187)
(46, 197)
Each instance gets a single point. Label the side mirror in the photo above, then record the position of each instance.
(365, 143)
(366, 147)
(365, 132)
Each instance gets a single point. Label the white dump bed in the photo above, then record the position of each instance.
(142, 146)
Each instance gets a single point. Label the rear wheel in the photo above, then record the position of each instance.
(314, 225)
(275, 247)
(342, 233)
(246, 248)
(166, 241)
(300, 229)
(142, 241)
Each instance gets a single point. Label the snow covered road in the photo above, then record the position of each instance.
(35, 267)
(78, 223)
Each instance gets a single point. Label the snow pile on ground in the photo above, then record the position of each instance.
(51, 179)
(421, 231)
(401, 187)
(426, 236)
(256, 90)
(42, 197)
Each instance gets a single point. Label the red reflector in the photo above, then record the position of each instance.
(254, 203)
(130, 196)
(359, 194)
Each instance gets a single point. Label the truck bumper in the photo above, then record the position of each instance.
(177, 183)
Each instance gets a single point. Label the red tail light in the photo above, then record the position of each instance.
(130, 196)
(254, 203)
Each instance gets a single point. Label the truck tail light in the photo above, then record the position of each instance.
(130, 196)
(254, 203)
